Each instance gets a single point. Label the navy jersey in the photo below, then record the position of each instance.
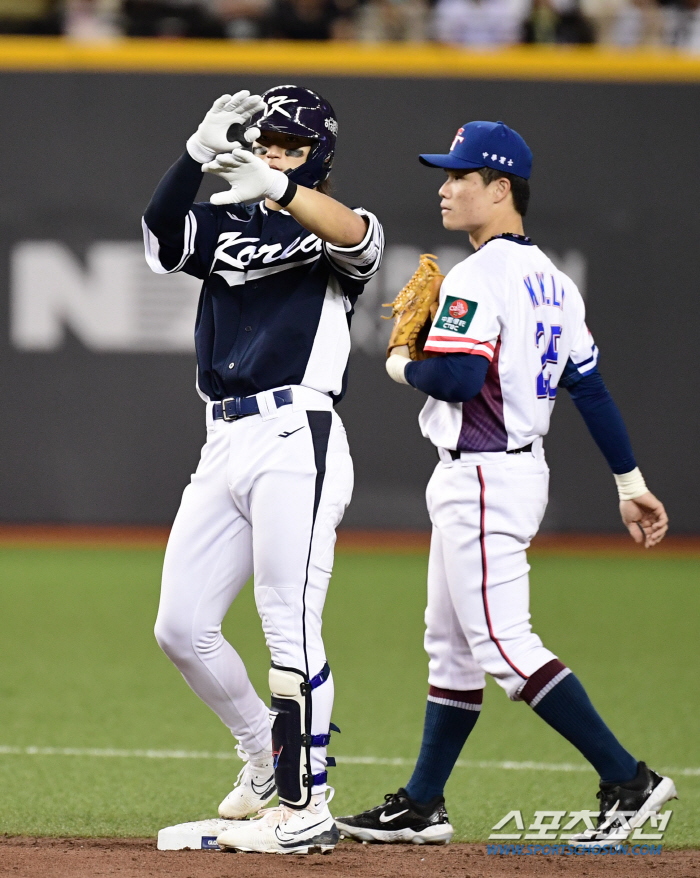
(276, 301)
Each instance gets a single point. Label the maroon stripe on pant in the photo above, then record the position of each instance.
(484, 576)
(471, 696)
(540, 678)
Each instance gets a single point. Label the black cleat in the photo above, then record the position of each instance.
(624, 807)
(400, 819)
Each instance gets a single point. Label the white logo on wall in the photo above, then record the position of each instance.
(114, 302)
(370, 333)
(111, 302)
(548, 825)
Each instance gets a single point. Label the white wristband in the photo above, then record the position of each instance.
(630, 485)
(396, 367)
(199, 152)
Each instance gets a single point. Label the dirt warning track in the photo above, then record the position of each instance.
(349, 540)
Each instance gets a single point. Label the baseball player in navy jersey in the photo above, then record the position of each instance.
(509, 332)
(282, 265)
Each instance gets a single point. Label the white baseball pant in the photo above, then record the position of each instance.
(485, 509)
(259, 504)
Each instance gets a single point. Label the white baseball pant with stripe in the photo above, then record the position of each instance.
(485, 509)
(265, 500)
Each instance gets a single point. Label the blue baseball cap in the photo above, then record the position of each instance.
(485, 145)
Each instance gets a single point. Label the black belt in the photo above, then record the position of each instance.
(235, 407)
(455, 455)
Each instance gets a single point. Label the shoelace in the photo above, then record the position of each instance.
(247, 763)
(240, 752)
(285, 811)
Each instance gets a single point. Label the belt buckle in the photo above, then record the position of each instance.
(226, 416)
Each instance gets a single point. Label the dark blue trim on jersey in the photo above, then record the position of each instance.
(600, 414)
(572, 371)
(511, 236)
(451, 377)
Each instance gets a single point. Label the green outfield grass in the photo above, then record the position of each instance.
(80, 669)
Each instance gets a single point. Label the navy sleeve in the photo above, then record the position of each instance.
(171, 202)
(178, 234)
(602, 417)
(451, 378)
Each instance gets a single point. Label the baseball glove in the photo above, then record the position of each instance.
(415, 307)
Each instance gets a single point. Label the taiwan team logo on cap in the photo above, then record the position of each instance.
(459, 138)
(485, 145)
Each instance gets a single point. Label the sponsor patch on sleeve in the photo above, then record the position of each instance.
(455, 315)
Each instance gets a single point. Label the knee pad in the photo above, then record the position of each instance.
(291, 734)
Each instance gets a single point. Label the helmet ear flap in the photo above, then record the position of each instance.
(315, 170)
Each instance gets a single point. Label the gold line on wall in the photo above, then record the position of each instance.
(348, 59)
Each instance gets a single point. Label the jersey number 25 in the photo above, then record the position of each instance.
(550, 355)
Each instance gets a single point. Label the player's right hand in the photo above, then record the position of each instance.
(251, 179)
(645, 518)
(211, 138)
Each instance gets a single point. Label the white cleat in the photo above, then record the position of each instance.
(254, 788)
(284, 830)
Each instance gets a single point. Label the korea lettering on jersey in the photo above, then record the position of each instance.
(510, 304)
(276, 301)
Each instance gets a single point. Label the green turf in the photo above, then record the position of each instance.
(80, 668)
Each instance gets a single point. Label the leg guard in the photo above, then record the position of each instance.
(291, 734)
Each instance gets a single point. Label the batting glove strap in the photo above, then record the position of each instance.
(630, 485)
(280, 189)
(289, 193)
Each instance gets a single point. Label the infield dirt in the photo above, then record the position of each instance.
(138, 858)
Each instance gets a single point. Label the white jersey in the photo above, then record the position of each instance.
(509, 303)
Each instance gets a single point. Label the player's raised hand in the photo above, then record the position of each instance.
(645, 518)
(251, 179)
(215, 134)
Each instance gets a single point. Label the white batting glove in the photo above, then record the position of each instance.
(211, 136)
(251, 179)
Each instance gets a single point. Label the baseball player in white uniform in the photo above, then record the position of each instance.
(282, 265)
(510, 330)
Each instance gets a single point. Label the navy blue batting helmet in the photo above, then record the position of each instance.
(292, 109)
